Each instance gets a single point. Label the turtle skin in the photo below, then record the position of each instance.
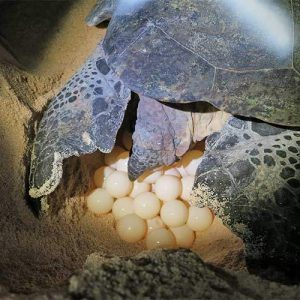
(250, 177)
(84, 117)
(249, 174)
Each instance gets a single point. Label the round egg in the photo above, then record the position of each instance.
(160, 238)
(118, 184)
(127, 140)
(174, 213)
(191, 160)
(155, 223)
(122, 207)
(139, 187)
(153, 188)
(199, 219)
(151, 176)
(187, 186)
(146, 205)
(110, 159)
(171, 171)
(184, 236)
(131, 228)
(99, 201)
(122, 161)
(168, 187)
(101, 175)
(181, 169)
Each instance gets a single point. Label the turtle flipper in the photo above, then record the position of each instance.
(102, 11)
(162, 133)
(250, 177)
(83, 117)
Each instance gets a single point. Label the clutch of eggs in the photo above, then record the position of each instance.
(154, 207)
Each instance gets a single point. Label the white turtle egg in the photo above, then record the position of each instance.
(181, 169)
(184, 236)
(101, 174)
(127, 140)
(139, 187)
(174, 213)
(122, 161)
(155, 223)
(171, 171)
(187, 186)
(110, 159)
(191, 160)
(153, 188)
(151, 176)
(199, 218)
(122, 207)
(99, 201)
(118, 184)
(131, 228)
(146, 205)
(168, 187)
(160, 238)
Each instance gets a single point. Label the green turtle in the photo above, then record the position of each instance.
(193, 63)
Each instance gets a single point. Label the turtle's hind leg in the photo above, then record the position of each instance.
(161, 135)
(250, 177)
(85, 116)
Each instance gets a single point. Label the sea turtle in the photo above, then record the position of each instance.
(241, 57)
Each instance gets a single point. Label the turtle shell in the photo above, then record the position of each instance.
(241, 56)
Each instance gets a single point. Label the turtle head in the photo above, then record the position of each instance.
(102, 11)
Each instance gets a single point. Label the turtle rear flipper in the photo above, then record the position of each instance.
(161, 135)
(250, 177)
(102, 11)
(83, 117)
(164, 132)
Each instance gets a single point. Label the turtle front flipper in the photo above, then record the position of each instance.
(83, 117)
(162, 133)
(250, 177)
(102, 11)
